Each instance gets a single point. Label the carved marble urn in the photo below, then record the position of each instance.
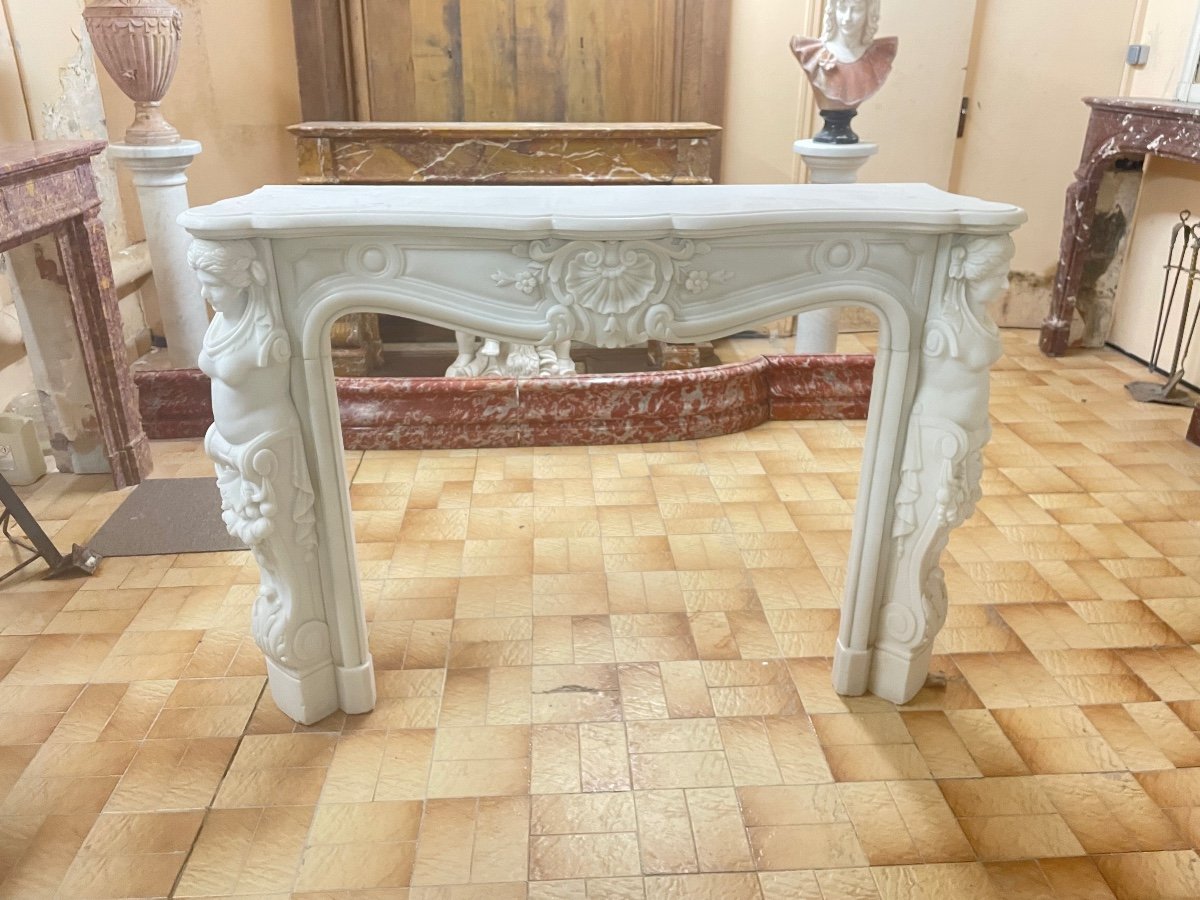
(137, 41)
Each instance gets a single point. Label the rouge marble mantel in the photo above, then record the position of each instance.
(47, 187)
(612, 266)
(1119, 129)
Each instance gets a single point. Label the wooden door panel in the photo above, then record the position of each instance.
(489, 62)
(541, 39)
(513, 60)
(437, 59)
(390, 89)
(584, 63)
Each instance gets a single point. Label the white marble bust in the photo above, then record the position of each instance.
(847, 64)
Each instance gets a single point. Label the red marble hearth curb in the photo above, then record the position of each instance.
(649, 407)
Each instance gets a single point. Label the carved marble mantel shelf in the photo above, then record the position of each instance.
(612, 266)
(1120, 128)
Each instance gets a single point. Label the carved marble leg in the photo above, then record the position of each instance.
(267, 502)
(496, 359)
(467, 364)
(939, 487)
(556, 360)
(307, 617)
(895, 589)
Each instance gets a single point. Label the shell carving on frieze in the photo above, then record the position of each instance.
(611, 291)
(612, 278)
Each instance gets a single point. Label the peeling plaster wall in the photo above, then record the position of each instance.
(15, 375)
(61, 99)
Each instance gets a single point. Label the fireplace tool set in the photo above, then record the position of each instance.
(1181, 267)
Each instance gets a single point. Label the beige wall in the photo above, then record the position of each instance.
(914, 118)
(235, 92)
(769, 103)
(1033, 61)
(1166, 26)
(15, 374)
(1025, 64)
(765, 110)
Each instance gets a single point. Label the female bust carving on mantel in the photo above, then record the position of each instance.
(244, 345)
(846, 65)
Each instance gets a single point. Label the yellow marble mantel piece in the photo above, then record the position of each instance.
(505, 153)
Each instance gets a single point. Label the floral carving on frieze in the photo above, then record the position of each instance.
(614, 290)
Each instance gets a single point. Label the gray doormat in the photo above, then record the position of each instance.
(166, 515)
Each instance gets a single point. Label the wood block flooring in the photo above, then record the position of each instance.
(604, 674)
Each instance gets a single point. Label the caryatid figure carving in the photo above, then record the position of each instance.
(847, 65)
(943, 454)
(267, 499)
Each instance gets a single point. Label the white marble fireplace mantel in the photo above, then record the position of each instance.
(610, 266)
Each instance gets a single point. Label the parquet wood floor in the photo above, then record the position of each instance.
(604, 675)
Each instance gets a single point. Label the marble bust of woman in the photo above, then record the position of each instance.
(847, 64)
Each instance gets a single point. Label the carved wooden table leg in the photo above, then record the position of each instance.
(84, 251)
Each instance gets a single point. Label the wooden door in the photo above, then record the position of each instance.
(1031, 65)
(914, 118)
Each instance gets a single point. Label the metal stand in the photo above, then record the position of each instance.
(82, 561)
(1178, 265)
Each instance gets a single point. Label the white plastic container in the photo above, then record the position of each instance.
(21, 460)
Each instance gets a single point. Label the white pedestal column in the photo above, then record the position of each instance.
(817, 331)
(160, 176)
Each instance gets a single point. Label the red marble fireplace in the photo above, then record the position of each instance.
(1121, 132)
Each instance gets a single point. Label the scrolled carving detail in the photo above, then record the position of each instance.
(900, 623)
(607, 292)
(375, 260)
(268, 623)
